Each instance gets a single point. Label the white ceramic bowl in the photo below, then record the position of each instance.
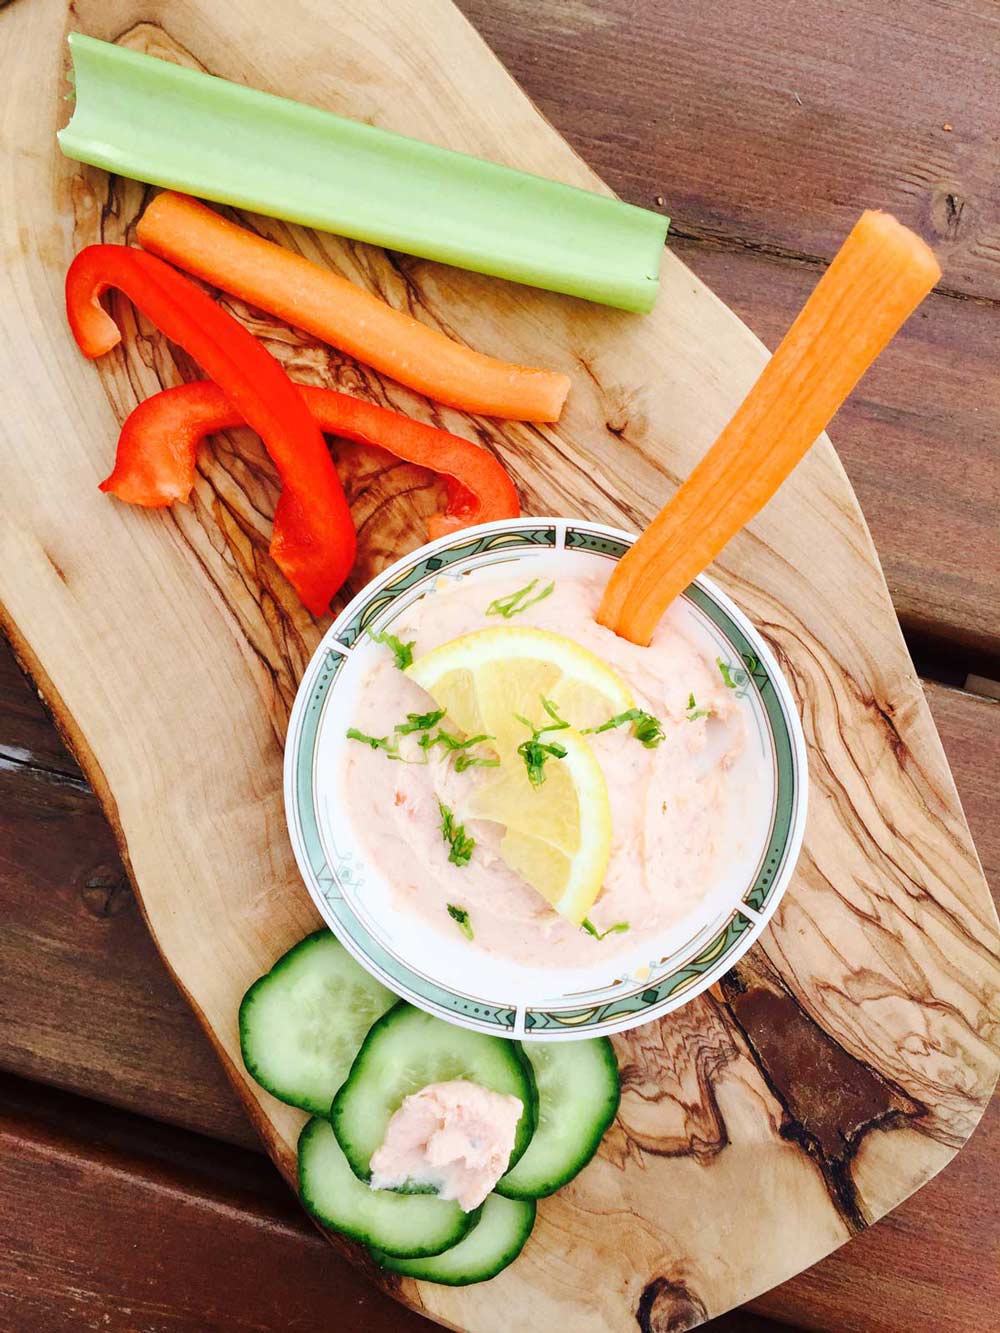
(463, 984)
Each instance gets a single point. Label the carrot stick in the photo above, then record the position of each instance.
(179, 228)
(877, 279)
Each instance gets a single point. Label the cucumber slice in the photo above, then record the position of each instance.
(405, 1050)
(578, 1094)
(496, 1242)
(301, 1025)
(399, 1224)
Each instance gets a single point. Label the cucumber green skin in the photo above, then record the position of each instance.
(463, 1222)
(447, 1268)
(340, 1110)
(538, 1188)
(316, 1106)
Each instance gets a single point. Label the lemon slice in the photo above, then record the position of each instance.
(484, 679)
(558, 834)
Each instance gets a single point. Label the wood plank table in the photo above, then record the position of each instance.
(132, 1191)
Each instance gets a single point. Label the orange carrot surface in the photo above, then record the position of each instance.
(330, 307)
(877, 279)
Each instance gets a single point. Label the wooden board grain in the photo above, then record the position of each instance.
(169, 647)
(86, 1003)
(70, 962)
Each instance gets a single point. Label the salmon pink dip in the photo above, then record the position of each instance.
(456, 1137)
(682, 812)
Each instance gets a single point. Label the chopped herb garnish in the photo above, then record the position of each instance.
(419, 722)
(464, 761)
(402, 652)
(535, 752)
(727, 676)
(645, 727)
(694, 712)
(423, 722)
(518, 601)
(455, 835)
(461, 916)
(449, 741)
(619, 928)
(454, 745)
(375, 742)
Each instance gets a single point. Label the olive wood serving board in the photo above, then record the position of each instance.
(852, 1052)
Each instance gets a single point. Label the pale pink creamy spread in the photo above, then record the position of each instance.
(675, 809)
(456, 1137)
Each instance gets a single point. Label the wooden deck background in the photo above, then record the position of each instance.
(130, 1183)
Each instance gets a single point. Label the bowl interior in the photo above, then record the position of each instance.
(464, 984)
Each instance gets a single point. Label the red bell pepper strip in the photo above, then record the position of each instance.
(157, 448)
(313, 541)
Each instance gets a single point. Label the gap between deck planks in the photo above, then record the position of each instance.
(766, 128)
(88, 1006)
(228, 1250)
(123, 1186)
(763, 130)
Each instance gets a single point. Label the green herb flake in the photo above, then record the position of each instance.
(375, 742)
(558, 723)
(728, 679)
(457, 748)
(402, 652)
(619, 928)
(694, 712)
(464, 761)
(461, 917)
(646, 728)
(449, 741)
(519, 601)
(419, 722)
(535, 752)
(454, 834)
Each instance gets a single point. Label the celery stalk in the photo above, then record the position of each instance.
(155, 121)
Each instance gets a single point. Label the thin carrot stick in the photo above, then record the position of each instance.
(266, 275)
(877, 279)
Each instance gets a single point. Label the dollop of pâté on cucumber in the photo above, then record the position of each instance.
(320, 1033)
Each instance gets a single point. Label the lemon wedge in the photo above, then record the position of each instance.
(558, 834)
(484, 679)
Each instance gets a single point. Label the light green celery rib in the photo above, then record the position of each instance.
(155, 121)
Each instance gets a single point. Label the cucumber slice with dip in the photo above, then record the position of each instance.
(306, 1028)
(405, 1052)
(409, 1225)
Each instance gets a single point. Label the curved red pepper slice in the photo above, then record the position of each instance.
(157, 448)
(313, 541)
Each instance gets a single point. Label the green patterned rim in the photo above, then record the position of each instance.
(335, 878)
